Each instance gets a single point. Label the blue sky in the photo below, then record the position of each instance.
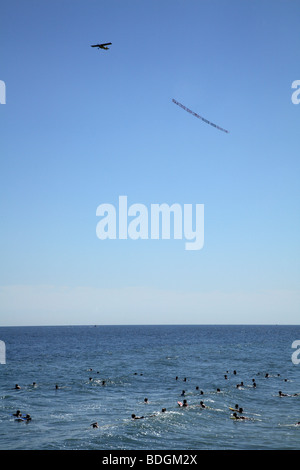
(82, 127)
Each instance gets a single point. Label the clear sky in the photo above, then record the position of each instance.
(83, 126)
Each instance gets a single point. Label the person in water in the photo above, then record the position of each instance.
(18, 414)
(20, 417)
(202, 404)
(281, 394)
(136, 417)
(94, 425)
(286, 395)
(238, 417)
(184, 403)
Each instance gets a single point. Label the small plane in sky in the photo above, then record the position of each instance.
(102, 46)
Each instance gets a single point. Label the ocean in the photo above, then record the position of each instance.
(72, 376)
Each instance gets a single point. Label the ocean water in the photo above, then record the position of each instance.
(154, 362)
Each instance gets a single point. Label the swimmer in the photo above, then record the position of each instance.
(202, 404)
(282, 394)
(18, 414)
(163, 410)
(26, 418)
(183, 404)
(218, 390)
(239, 417)
(146, 400)
(183, 393)
(136, 417)
(236, 409)
(56, 387)
(17, 387)
(95, 425)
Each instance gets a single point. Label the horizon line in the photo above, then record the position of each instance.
(150, 324)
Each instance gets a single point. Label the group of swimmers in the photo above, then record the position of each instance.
(237, 411)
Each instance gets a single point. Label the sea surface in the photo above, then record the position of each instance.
(104, 374)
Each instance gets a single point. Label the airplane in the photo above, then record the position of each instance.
(102, 46)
